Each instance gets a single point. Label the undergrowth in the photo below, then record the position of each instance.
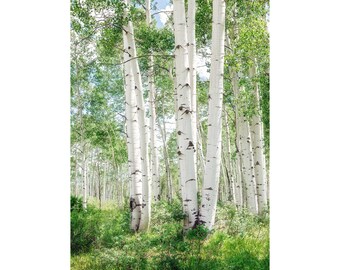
(102, 240)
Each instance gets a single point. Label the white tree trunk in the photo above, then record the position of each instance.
(258, 151)
(134, 139)
(84, 175)
(238, 178)
(248, 165)
(228, 161)
(192, 65)
(214, 140)
(146, 206)
(155, 183)
(186, 147)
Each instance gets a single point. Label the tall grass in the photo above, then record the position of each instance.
(101, 240)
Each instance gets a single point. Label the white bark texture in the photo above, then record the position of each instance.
(214, 138)
(192, 65)
(186, 148)
(143, 129)
(228, 161)
(248, 165)
(133, 134)
(84, 175)
(155, 183)
(258, 151)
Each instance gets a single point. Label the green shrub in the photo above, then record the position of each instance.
(76, 203)
(84, 227)
(102, 240)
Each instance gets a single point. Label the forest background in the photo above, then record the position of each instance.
(35, 143)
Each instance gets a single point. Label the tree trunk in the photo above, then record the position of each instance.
(258, 151)
(248, 165)
(214, 138)
(133, 134)
(191, 15)
(186, 148)
(156, 184)
(137, 84)
(84, 174)
(228, 162)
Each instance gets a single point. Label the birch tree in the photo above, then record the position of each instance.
(133, 134)
(192, 66)
(156, 185)
(186, 147)
(213, 157)
(137, 81)
(258, 151)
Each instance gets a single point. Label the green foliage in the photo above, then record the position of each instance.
(203, 22)
(239, 240)
(76, 204)
(156, 40)
(84, 227)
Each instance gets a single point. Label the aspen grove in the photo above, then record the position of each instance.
(170, 106)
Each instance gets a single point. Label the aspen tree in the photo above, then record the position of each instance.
(137, 84)
(228, 160)
(258, 151)
(248, 165)
(191, 15)
(136, 166)
(186, 148)
(214, 138)
(156, 184)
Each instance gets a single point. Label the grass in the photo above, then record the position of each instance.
(101, 240)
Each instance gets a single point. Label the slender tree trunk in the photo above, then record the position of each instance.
(248, 165)
(137, 81)
(186, 148)
(239, 198)
(238, 179)
(228, 162)
(258, 151)
(156, 184)
(200, 148)
(214, 138)
(84, 174)
(105, 165)
(76, 173)
(99, 186)
(192, 65)
(224, 188)
(133, 134)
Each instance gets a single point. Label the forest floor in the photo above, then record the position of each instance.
(101, 240)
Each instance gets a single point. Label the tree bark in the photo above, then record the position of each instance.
(186, 147)
(156, 184)
(133, 134)
(137, 83)
(248, 165)
(191, 16)
(228, 162)
(214, 138)
(258, 151)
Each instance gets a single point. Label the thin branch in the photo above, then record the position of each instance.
(162, 11)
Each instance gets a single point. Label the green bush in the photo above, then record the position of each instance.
(76, 203)
(84, 227)
(102, 240)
